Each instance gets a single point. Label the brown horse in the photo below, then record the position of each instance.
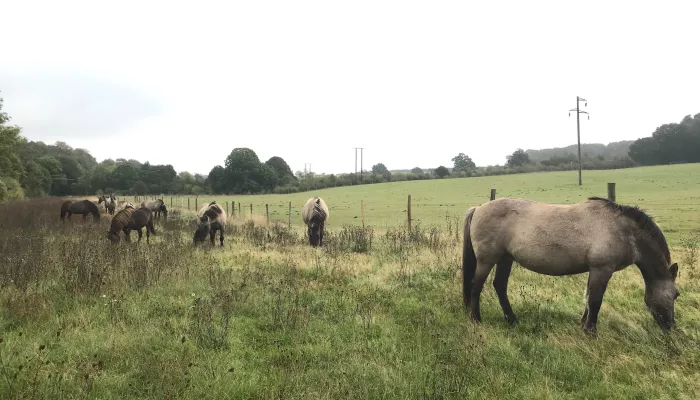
(314, 214)
(212, 218)
(83, 207)
(130, 219)
(596, 236)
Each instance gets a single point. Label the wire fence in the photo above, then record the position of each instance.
(413, 211)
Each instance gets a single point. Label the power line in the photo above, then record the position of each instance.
(578, 130)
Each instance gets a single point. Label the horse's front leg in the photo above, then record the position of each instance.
(500, 283)
(320, 235)
(482, 272)
(127, 235)
(598, 279)
(221, 237)
(212, 233)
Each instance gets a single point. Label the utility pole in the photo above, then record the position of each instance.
(578, 130)
(355, 164)
(305, 170)
(361, 148)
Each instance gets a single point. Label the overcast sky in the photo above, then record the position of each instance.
(414, 83)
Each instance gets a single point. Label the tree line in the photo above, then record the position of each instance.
(33, 169)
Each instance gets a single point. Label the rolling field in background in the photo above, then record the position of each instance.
(377, 313)
(671, 194)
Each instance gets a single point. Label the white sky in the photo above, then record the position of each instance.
(185, 83)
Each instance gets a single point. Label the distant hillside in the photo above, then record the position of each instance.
(614, 149)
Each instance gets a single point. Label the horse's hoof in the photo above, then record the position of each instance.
(476, 318)
(512, 319)
(591, 331)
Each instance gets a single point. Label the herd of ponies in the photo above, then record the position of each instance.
(597, 235)
(210, 218)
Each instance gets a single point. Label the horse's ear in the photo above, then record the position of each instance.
(674, 271)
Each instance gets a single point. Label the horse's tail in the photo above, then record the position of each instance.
(468, 259)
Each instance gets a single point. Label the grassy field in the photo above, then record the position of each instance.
(377, 313)
(670, 193)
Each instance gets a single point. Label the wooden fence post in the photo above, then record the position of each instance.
(239, 209)
(227, 208)
(362, 207)
(409, 213)
(188, 204)
(493, 194)
(611, 191)
(196, 203)
(171, 202)
(290, 214)
(251, 210)
(267, 213)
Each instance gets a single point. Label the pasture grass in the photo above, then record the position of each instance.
(377, 313)
(669, 193)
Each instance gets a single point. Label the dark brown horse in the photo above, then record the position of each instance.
(130, 219)
(83, 207)
(596, 236)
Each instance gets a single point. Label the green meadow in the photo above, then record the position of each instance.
(671, 194)
(377, 313)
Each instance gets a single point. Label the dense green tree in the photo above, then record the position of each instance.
(139, 188)
(518, 158)
(124, 176)
(284, 173)
(463, 163)
(442, 171)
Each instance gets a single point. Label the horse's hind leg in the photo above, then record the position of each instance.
(221, 237)
(140, 235)
(212, 233)
(584, 317)
(598, 279)
(500, 283)
(482, 272)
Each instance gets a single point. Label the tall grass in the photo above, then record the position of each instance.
(371, 315)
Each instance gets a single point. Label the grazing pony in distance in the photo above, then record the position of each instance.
(83, 207)
(156, 206)
(130, 219)
(211, 218)
(110, 203)
(596, 236)
(314, 213)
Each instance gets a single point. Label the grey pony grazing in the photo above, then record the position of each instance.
(314, 213)
(110, 203)
(83, 207)
(596, 236)
(157, 207)
(212, 218)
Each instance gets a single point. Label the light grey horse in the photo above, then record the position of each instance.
(596, 236)
(211, 218)
(157, 207)
(314, 214)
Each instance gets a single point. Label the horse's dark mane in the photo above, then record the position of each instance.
(644, 221)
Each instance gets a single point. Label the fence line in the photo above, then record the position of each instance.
(178, 202)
